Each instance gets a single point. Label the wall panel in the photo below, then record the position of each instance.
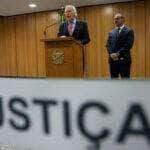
(99, 20)
(40, 24)
(2, 48)
(8, 53)
(26, 45)
(147, 26)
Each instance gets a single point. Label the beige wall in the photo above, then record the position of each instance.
(22, 52)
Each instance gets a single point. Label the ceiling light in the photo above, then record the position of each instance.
(32, 5)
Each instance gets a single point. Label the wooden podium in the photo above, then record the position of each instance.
(64, 57)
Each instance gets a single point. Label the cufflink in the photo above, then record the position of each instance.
(121, 58)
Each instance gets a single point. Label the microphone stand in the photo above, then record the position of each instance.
(48, 26)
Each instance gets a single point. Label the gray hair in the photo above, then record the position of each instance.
(72, 8)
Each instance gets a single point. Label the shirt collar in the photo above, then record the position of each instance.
(122, 27)
(74, 21)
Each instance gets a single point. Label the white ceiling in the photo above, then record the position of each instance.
(14, 7)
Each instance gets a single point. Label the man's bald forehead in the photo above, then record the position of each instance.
(118, 16)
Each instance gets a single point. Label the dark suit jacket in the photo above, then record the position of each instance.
(80, 32)
(121, 43)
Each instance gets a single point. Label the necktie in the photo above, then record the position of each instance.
(119, 30)
(70, 28)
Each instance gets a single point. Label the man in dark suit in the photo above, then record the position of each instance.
(119, 43)
(73, 27)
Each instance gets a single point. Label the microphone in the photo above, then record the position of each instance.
(48, 26)
(61, 20)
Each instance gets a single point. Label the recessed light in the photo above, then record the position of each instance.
(32, 5)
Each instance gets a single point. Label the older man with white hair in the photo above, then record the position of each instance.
(73, 27)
